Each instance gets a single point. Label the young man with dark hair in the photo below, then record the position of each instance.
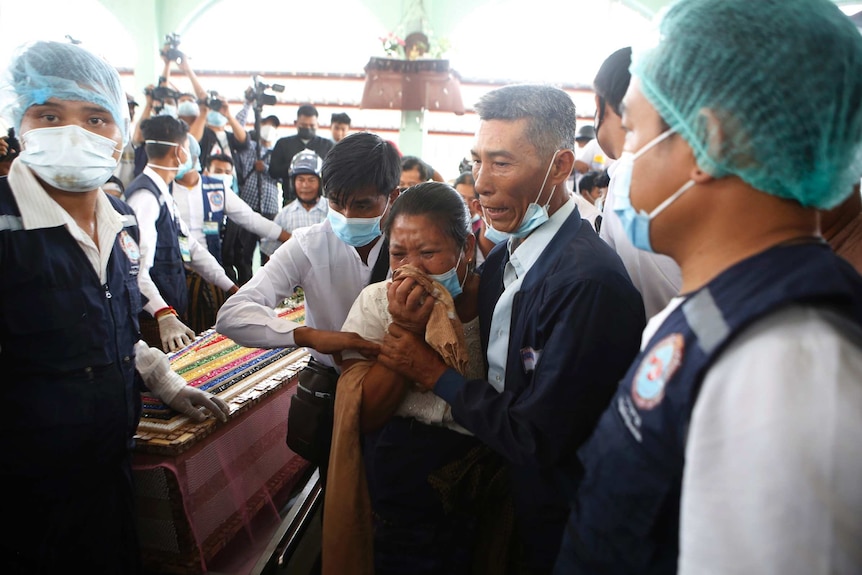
(656, 276)
(166, 244)
(339, 126)
(285, 149)
(332, 261)
(71, 357)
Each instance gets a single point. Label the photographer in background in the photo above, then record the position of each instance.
(10, 147)
(258, 189)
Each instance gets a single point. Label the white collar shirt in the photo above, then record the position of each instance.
(522, 257)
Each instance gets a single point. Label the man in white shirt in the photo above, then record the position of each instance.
(734, 442)
(656, 276)
(331, 261)
(166, 245)
(203, 203)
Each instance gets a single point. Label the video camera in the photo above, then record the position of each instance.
(172, 52)
(161, 93)
(259, 96)
(214, 102)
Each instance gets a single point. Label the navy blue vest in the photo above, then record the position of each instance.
(168, 271)
(212, 190)
(626, 519)
(67, 364)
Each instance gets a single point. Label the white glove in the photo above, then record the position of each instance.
(174, 333)
(190, 400)
(167, 385)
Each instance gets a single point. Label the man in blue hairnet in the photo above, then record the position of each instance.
(734, 442)
(70, 349)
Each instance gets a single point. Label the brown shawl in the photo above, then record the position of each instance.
(347, 526)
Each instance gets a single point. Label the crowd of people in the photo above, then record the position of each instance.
(629, 347)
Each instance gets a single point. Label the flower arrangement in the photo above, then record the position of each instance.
(393, 45)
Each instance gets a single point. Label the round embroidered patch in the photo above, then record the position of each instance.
(130, 247)
(216, 200)
(655, 370)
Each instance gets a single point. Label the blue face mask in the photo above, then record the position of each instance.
(185, 167)
(216, 119)
(188, 109)
(494, 234)
(356, 232)
(536, 215)
(637, 224)
(450, 281)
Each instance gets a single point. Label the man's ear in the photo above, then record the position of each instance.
(563, 165)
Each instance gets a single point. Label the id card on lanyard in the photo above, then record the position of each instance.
(184, 248)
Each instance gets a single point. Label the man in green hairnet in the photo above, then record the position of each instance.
(71, 357)
(734, 442)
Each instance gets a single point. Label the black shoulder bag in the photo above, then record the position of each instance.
(312, 409)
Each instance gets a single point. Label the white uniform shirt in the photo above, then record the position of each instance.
(146, 208)
(191, 209)
(520, 262)
(773, 465)
(329, 271)
(39, 210)
(656, 277)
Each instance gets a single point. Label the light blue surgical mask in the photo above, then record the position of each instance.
(450, 281)
(186, 166)
(216, 119)
(536, 215)
(356, 232)
(188, 109)
(637, 224)
(494, 234)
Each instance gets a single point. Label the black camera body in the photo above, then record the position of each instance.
(261, 98)
(162, 93)
(214, 102)
(14, 145)
(173, 52)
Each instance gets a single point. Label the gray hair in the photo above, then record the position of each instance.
(550, 113)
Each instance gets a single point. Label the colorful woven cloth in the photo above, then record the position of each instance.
(215, 363)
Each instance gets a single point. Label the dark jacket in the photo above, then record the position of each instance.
(579, 310)
(626, 520)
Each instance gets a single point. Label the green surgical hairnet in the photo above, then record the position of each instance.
(768, 90)
(64, 71)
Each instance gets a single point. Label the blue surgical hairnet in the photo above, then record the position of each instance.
(767, 90)
(64, 71)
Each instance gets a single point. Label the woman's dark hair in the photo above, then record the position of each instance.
(440, 202)
(358, 162)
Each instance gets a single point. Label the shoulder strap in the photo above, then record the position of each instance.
(381, 266)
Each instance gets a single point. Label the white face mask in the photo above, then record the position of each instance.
(69, 158)
(180, 163)
(269, 133)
